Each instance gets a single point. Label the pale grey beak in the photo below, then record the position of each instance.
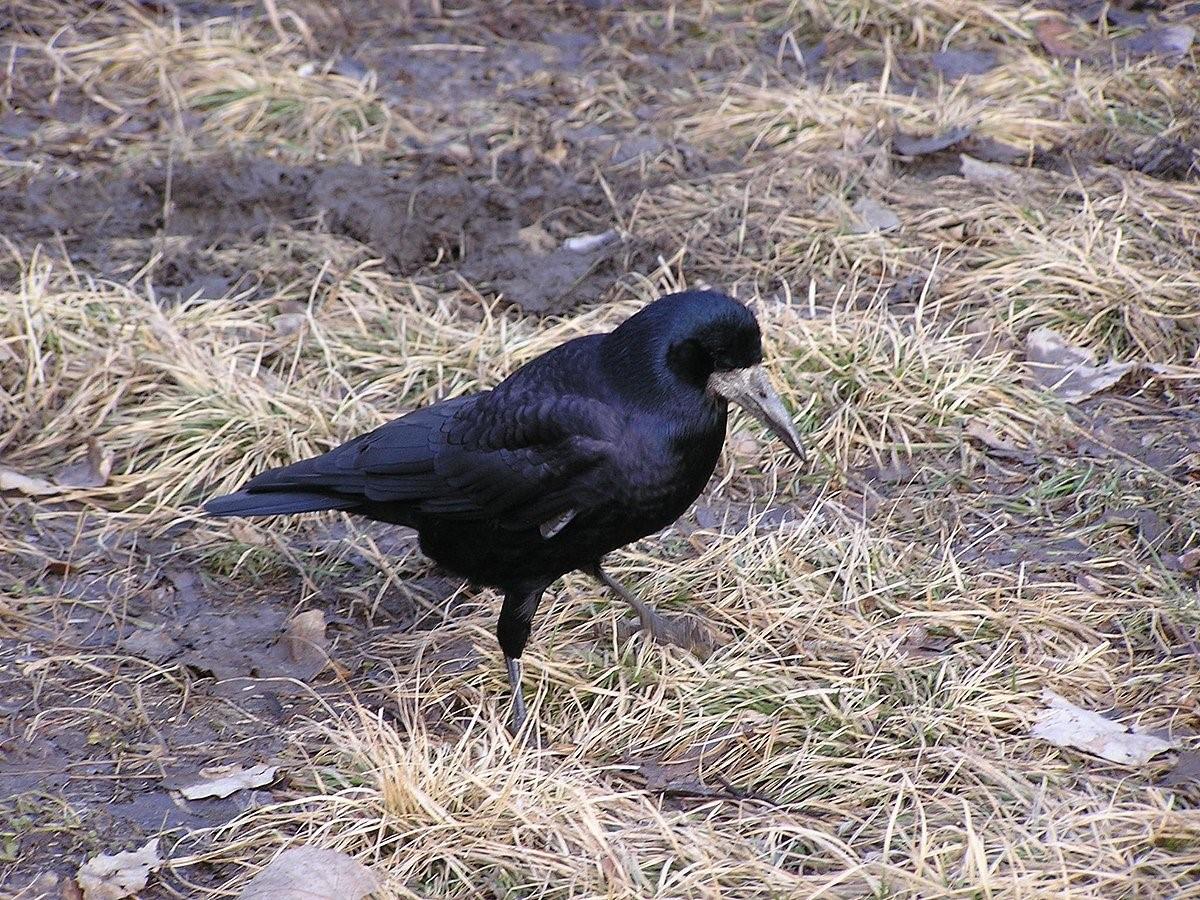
(750, 389)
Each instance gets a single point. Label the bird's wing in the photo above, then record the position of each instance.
(534, 462)
(521, 461)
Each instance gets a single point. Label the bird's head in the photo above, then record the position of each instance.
(707, 342)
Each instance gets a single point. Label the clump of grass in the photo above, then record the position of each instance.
(248, 88)
(886, 383)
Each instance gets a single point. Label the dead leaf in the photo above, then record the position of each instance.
(112, 877)
(1185, 771)
(995, 442)
(874, 216)
(683, 631)
(954, 64)
(306, 645)
(1052, 34)
(977, 171)
(989, 149)
(221, 781)
(1172, 40)
(12, 480)
(247, 534)
(911, 145)
(151, 644)
(60, 568)
(288, 323)
(1189, 561)
(683, 776)
(311, 873)
(1064, 724)
(49, 886)
(919, 642)
(91, 472)
(1069, 372)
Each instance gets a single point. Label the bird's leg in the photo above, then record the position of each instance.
(518, 701)
(652, 623)
(681, 631)
(512, 630)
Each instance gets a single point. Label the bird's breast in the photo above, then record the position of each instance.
(663, 470)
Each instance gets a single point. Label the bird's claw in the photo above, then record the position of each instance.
(679, 631)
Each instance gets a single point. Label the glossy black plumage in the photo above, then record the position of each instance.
(592, 445)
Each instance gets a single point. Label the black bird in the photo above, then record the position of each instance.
(594, 444)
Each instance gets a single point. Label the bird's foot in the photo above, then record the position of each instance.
(523, 730)
(679, 631)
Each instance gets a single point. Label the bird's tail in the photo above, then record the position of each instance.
(274, 503)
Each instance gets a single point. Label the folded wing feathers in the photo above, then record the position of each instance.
(516, 465)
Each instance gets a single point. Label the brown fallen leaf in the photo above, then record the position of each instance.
(1186, 770)
(247, 534)
(306, 645)
(119, 875)
(1070, 373)
(1064, 724)
(873, 216)
(701, 639)
(60, 568)
(1171, 40)
(1189, 561)
(91, 472)
(912, 145)
(311, 873)
(977, 171)
(221, 781)
(919, 642)
(50, 886)
(537, 239)
(994, 441)
(1052, 34)
(683, 776)
(12, 480)
(151, 644)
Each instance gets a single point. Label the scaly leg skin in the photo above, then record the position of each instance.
(681, 632)
(652, 623)
(512, 630)
(518, 700)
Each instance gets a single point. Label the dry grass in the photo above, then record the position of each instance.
(864, 729)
